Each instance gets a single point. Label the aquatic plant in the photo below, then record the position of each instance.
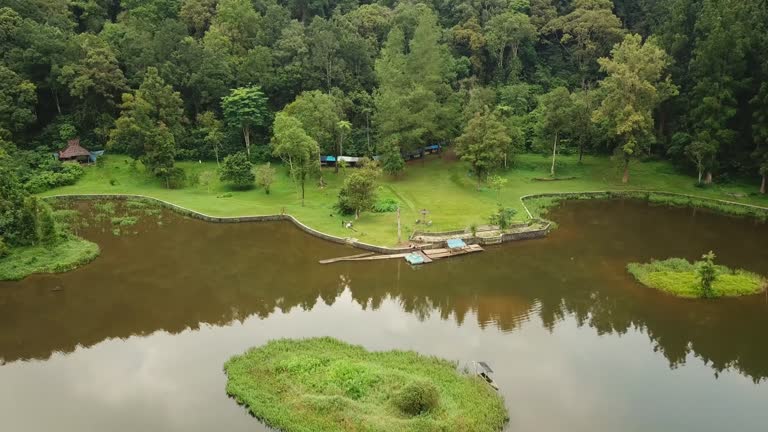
(325, 385)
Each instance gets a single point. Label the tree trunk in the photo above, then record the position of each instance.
(339, 151)
(708, 180)
(247, 136)
(302, 193)
(216, 152)
(357, 214)
(625, 179)
(368, 131)
(581, 152)
(56, 98)
(701, 174)
(762, 186)
(554, 155)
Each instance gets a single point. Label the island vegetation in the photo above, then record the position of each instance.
(700, 279)
(198, 101)
(325, 385)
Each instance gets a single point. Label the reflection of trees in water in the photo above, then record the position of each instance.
(722, 334)
(35, 320)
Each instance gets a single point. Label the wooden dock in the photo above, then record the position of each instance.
(347, 258)
(447, 253)
(428, 255)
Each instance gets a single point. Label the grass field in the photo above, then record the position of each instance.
(325, 385)
(679, 277)
(441, 185)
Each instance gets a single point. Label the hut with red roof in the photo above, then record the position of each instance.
(75, 152)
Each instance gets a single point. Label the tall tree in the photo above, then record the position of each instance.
(554, 118)
(719, 69)
(507, 31)
(94, 78)
(212, 130)
(17, 101)
(296, 148)
(588, 31)
(343, 129)
(319, 114)
(246, 108)
(485, 143)
(414, 102)
(197, 15)
(636, 84)
(149, 124)
(358, 193)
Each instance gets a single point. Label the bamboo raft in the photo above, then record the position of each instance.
(428, 255)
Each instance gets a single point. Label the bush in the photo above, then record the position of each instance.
(387, 205)
(265, 176)
(66, 174)
(238, 170)
(417, 397)
(175, 178)
(503, 217)
(4, 249)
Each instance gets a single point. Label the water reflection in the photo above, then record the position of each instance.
(175, 274)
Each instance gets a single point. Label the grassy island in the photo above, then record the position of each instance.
(325, 385)
(682, 278)
(62, 256)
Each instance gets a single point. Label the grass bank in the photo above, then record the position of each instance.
(324, 385)
(65, 255)
(679, 277)
(441, 185)
(539, 205)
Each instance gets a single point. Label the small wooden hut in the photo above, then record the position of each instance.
(75, 152)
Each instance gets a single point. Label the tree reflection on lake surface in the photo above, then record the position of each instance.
(576, 343)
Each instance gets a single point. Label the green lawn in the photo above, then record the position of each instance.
(325, 385)
(441, 185)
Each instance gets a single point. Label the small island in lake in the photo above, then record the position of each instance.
(325, 385)
(700, 279)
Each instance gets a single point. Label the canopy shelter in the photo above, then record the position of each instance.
(75, 152)
(456, 244)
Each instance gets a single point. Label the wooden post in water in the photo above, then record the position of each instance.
(399, 231)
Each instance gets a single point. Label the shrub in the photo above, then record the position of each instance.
(66, 174)
(707, 274)
(387, 205)
(4, 249)
(175, 178)
(238, 170)
(503, 217)
(265, 176)
(417, 397)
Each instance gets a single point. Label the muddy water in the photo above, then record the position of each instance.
(136, 340)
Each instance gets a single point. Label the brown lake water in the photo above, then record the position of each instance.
(136, 340)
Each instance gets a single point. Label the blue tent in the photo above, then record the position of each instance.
(414, 258)
(456, 244)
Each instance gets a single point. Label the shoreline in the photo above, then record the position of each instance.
(676, 199)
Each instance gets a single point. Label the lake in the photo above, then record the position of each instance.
(137, 339)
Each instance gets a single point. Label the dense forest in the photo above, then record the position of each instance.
(168, 80)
